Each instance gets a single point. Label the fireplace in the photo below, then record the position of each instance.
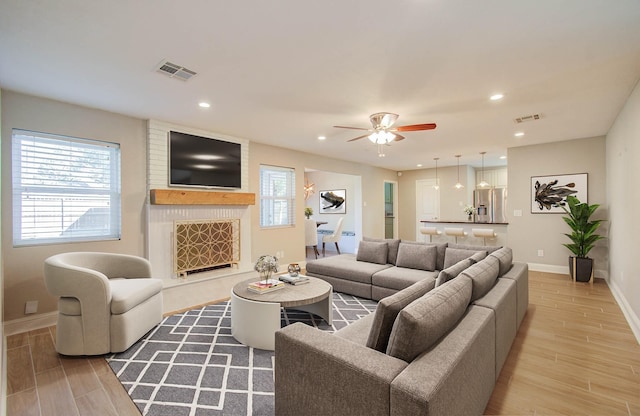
(205, 244)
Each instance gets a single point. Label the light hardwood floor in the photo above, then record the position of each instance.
(574, 354)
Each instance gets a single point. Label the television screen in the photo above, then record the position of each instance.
(203, 162)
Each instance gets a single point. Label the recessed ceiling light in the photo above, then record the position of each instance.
(496, 97)
(204, 104)
(322, 138)
(503, 157)
(419, 165)
(519, 134)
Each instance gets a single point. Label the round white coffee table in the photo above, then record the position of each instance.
(255, 317)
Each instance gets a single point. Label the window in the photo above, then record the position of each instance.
(277, 196)
(65, 189)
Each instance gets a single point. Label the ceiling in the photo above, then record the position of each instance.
(284, 72)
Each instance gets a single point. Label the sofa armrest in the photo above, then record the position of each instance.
(318, 373)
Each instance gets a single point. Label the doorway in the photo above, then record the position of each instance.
(390, 209)
(427, 203)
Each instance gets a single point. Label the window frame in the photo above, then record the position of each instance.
(87, 178)
(268, 200)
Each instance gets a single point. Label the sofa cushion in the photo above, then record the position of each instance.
(440, 248)
(373, 252)
(416, 256)
(344, 267)
(488, 249)
(392, 244)
(424, 321)
(399, 278)
(387, 311)
(453, 271)
(128, 293)
(454, 255)
(505, 259)
(483, 276)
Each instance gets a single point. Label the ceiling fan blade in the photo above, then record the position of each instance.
(358, 138)
(398, 137)
(352, 128)
(417, 127)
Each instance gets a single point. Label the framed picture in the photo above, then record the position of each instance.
(333, 201)
(549, 193)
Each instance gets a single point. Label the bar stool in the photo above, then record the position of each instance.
(484, 233)
(430, 231)
(455, 232)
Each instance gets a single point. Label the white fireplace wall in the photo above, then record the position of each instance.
(159, 242)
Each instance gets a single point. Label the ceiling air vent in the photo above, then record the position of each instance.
(175, 71)
(530, 117)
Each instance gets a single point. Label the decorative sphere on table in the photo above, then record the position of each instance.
(294, 269)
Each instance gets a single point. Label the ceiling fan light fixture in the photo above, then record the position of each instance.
(381, 137)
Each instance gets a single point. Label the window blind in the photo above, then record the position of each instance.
(65, 189)
(277, 196)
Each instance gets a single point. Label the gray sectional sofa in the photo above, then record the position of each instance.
(434, 346)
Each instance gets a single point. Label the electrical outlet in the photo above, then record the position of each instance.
(540, 253)
(31, 307)
(517, 213)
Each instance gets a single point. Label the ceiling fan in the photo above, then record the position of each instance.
(383, 133)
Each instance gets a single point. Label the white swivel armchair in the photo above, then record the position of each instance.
(311, 235)
(335, 237)
(107, 301)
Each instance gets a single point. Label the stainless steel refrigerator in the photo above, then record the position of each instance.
(491, 205)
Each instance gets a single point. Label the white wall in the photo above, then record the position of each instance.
(532, 232)
(623, 171)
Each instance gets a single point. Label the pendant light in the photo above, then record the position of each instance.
(437, 185)
(458, 185)
(483, 184)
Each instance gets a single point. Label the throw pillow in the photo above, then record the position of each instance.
(505, 259)
(453, 271)
(478, 256)
(483, 275)
(440, 247)
(388, 309)
(417, 256)
(454, 255)
(372, 252)
(392, 243)
(423, 322)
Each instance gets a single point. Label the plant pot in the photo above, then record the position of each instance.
(580, 268)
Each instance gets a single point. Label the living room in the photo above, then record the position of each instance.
(607, 156)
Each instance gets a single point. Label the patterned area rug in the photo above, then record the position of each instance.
(191, 365)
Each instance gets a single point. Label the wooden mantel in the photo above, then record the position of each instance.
(181, 197)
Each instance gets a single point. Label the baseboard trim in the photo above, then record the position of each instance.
(30, 323)
(550, 268)
(627, 311)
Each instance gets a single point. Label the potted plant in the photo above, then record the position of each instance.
(308, 212)
(583, 237)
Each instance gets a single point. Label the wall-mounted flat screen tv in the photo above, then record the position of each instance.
(203, 162)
